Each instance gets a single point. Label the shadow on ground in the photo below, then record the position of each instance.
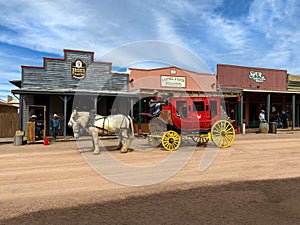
(250, 202)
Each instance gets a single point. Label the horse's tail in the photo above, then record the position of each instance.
(131, 126)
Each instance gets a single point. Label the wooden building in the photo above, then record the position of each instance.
(77, 81)
(248, 90)
(9, 117)
(74, 81)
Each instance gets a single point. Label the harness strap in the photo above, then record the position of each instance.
(122, 125)
(103, 125)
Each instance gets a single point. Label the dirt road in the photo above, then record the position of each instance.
(255, 181)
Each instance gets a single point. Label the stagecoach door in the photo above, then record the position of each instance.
(199, 110)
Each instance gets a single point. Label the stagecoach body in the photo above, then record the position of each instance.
(196, 117)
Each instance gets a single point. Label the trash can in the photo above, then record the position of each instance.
(273, 127)
(18, 138)
(263, 127)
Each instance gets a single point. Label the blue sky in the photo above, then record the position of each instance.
(258, 33)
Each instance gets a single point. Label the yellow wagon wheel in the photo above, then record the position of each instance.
(222, 133)
(170, 140)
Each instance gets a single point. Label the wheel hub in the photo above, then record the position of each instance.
(223, 133)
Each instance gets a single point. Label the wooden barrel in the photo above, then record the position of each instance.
(263, 127)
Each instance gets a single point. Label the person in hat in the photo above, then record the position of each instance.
(55, 126)
(37, 130)
(285, 118)
(262, 117)
(155, 104)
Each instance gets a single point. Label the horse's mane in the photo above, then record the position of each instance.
(82, 118)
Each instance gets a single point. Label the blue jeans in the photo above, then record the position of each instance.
(54, 132)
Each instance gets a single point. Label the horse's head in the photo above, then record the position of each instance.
(74, 123)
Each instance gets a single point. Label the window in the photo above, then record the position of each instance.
(213, 108)
(198, 106)
(181, 108)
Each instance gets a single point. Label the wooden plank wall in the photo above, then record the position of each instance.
(30, 132)
(9, 124)
(56, 74)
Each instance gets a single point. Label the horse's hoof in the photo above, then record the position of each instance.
(124, 151)
(96, 153)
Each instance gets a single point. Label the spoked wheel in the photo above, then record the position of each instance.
(157, 128)
(222, 133)
(200, 140)
(170, 140)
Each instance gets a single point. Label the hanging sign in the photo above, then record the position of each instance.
(78, 69)
(257, 76)
(172, 81)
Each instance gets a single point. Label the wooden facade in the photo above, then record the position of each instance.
(230, 76)
(74, 81)
(77, 81)
(9, 119)
(293, 83)
(248, 90)
(172, 79)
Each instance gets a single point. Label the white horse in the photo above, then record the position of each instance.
(119, 124)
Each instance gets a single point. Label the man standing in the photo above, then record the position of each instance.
(285, 118)
(262, 116)
(55, 125)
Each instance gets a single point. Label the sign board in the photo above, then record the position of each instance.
(78, 69)
(257, 76)
(172, 81)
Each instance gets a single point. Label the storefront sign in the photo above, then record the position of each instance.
(257, 76)
(171, 81)
(78, 69)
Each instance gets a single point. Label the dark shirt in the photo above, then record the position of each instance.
(55, 123)
(32, 120)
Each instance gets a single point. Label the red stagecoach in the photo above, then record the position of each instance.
(194, 117)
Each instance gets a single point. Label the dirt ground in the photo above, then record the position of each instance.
(255, 181)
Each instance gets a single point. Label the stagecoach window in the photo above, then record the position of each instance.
(181, 108)
(213, 108)
(198, 106)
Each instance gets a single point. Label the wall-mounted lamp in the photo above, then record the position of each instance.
(131, 82)
(213, 85)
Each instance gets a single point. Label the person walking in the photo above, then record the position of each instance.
(55, 126)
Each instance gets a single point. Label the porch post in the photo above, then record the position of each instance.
(268, 107)
(65, 116)
(95, 104)
(21, 112)
(297, 115)
(294, 111)
(131, 108)
(241, 113)
(140, 116)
